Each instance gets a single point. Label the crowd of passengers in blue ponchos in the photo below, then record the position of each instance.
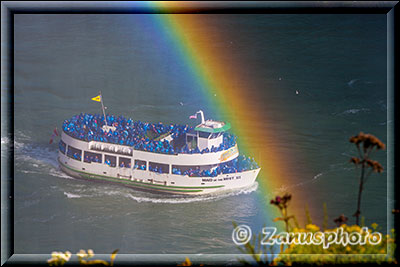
(88, 127)
(239, 164)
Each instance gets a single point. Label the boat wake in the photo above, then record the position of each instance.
(343, 166)
(284, 189)
(352, 111)
(36, 158)
(142, 197)
(189, 199)
(355, 82)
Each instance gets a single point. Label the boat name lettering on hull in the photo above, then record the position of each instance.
(221, 179)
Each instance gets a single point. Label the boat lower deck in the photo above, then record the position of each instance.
(194, 186)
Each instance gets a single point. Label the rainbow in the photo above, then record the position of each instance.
(225, 86)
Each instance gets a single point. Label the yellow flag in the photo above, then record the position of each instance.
(97, 98)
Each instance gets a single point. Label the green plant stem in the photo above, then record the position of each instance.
(358, 212)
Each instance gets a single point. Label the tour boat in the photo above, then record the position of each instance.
(174, 158)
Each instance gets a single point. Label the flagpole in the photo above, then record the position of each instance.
(102, 107)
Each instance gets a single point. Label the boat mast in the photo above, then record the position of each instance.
(102, 107)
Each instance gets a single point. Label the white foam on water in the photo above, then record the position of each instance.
(18, 145)
(58, 173)
(21, 136)
(354, 111)
(317, 176)
(70, 195)
(285, 188)
(25, 171)
(345, 154)
(42, 158)
(185, 199)
(281, 189)
(358, 81)
(350, 83)
(124, 192)
(343, 166)
(386, 122)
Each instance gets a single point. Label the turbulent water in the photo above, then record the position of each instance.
(323, 76)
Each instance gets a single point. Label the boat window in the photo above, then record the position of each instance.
(215, 135)
(62, 146)
(92, 157)
(185, 170)
(204, 134)
(74, 153)
(124, 162)
(158, 167)
(110, 160)
(140, 165)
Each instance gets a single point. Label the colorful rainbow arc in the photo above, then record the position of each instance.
(226, 88)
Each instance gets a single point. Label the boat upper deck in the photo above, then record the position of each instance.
(152, 137)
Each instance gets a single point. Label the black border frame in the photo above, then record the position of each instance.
(8, 9)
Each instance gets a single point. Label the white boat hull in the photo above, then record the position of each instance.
(151, 181)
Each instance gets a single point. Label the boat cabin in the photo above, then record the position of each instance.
(207, 135)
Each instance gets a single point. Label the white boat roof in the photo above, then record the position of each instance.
(212, 126)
